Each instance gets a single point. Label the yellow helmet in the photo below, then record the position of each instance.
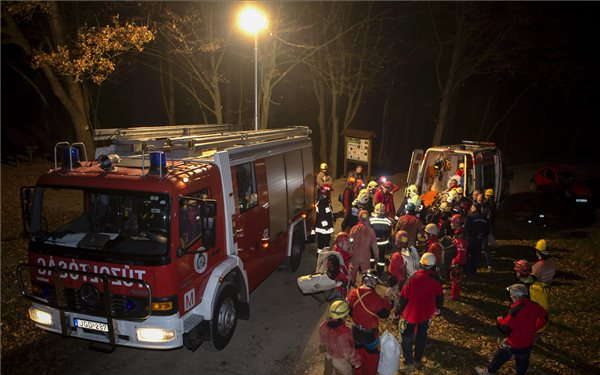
(372, 185)
(339, 309)
(541, 246)
(379, 209)
(489, 192)
(324, 166)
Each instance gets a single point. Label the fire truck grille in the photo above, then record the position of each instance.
(120, 306)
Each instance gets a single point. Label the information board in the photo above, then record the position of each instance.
(357, 149)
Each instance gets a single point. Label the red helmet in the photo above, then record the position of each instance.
(341, 236)
(522, 267)
(363, 215)
(456, 219)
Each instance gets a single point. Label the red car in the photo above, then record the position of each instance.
(560, 179)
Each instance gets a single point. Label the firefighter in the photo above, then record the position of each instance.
(545, 268)
(383, 232)
(519, 326)
(347, 198)
(323, 177)
(433, 244)
(410, 223)
(385, 195)
(477, 227)
(371, 189)
(412, 196)
(336, 340)
(364, 243)
(324, 220)
(444, 220)
(461, 244)
(422, 297)
(367, 307)
(358, 205)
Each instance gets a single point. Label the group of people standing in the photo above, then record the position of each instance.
(380, 244)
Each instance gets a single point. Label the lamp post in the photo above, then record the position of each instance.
(251, 20)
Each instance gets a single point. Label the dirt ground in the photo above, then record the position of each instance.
(463, 336)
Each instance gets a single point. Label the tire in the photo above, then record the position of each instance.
(224, 320)
(297, 250)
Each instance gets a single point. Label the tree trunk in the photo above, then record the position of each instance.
(319, 90)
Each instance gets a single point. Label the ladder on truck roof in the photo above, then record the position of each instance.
(134, 142)
(150, 132)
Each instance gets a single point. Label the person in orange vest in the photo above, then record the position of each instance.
(337, 341)
(367, 307)
(364, 242)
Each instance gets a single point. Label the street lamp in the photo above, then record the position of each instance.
(252, 21)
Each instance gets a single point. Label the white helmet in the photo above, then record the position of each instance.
(369, 279)
(432, 229)
(428, 260)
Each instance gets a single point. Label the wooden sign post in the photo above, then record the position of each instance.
(358, 150)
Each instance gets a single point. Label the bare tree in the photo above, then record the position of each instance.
(67, 61)
(358, 49)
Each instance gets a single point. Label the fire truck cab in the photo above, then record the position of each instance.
(159, 241)
(472, 165)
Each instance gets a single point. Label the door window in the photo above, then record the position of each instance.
(246, 186)
(190, 218)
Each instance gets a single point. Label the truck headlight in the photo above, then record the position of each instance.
(155, 334)
(39, 316)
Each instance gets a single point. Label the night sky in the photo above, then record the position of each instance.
(554, 120)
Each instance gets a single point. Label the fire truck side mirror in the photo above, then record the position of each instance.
(27, 193)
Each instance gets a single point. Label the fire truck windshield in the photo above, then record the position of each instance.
(123, 222)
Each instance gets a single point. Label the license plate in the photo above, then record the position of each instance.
(96, 326)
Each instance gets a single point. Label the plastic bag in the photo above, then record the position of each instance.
(389, 358)
(316, 283)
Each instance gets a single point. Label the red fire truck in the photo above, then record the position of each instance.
(158, 242)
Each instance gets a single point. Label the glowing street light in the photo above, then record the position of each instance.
(252, 21)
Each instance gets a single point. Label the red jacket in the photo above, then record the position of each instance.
(388, 200)
(524, 319)
(412, 225)
(421, 296)
(462, 245)
(337, 338)
(434, 247)
(373, 307)
(397, 266)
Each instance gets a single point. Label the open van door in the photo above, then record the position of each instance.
(413, 169)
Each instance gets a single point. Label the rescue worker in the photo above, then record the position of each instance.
(383, 232)
(350, 217)
(367, 307)
(519, 327)
(342, 246)
(422, 297)
(337, 342)
(409, 253)
(385, 195)
(461, 244)
(460, 171)
(539, 292)
(412, 196)
(444, 219)
(323, 177)
(372, 188)
(410, 223)
(490, 205)
(364, 242)
(545, 268)
(477, 227)
(433, 244)
(397, 267)
(324, 220)
(357, 173)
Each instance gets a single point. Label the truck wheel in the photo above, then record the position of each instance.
(224, 320)
(297, 250)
